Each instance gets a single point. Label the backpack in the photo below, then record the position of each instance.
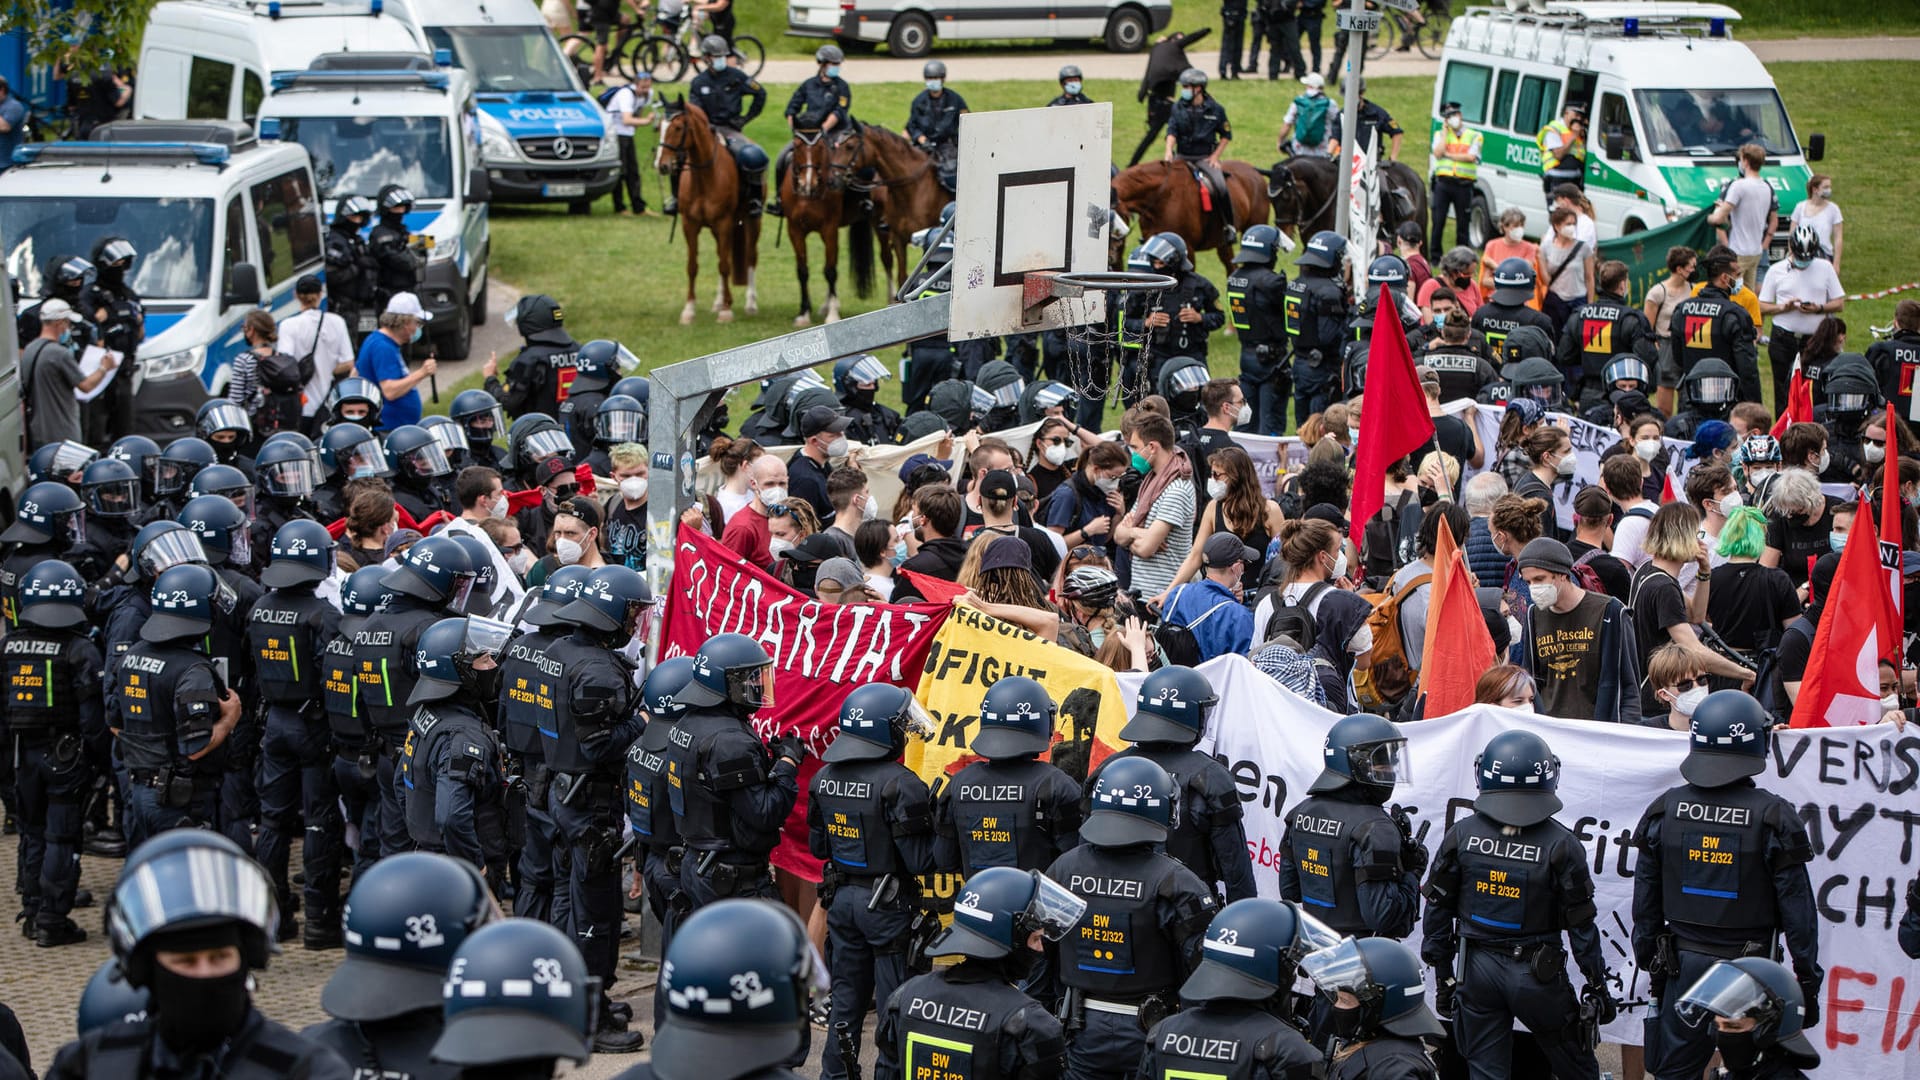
(282, 378)
(605, 97)
(1585, 576)
(1767, 688)
(1393, 674)
(1176, 640)
(1310, 119)
(1294, 618)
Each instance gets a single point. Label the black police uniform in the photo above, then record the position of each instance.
(456, 786)
(396, 268)
(1139, 939)
(271, 512)
(1373, 119)
(1020, 812)
(729, 798)
(1257, 305)
(288, 632)
(397, 1049)
(723, 92)
(1176, 338)
(168, 700)
(930, 360)
(259, 1050)
(1064, 98)
(1209, 837)
(987, 1028)
(1722, 873)
(1711, 324)
(541, 376)
(383, 663)
(239, 793)
(20, 558)
(1895, 360)
(1341, 856)
(358, 755)
(936, 117)
(1463, 370)
(650, 814)
(1316, 320)
(871, 821)
(1596, 332)
(420, 498)
(351, 277)
(528, 683)
(815, 100)
(1495, 321)
(52, 711)
(1388, 1057)
(1504, 895)
(1196, 128)
(1233, 1040)
(595, 719)
(121, 330)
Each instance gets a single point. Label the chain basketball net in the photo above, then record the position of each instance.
(1093, 348)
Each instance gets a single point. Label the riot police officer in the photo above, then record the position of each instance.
(730, 794)
(222, 529)
(286, 471)
(723, 946)
(723, 91)
(649, 811)
(357, 751)
(155, 548)
(1146, 916)
(351, 271)
(120, 318)
(107, 998)
(599, 363)
(1243, 989)
(174, 711)
(930, 360)
(111, 490)
(1177, 320)
(1001, 917)
(480, 414)
(286, 631)
(1848, 393)
(1710, 324)
(1376, 999)
(1170, 714)
(421, 472)
(1758, 1015)
(528, 683)
(396, 267)
(539, 377)
(1009, 808)
(857, 378)
(1506, 308)
(1691, 908)
(49, 522)
(52, 712)
(1507, 881)
(1624, 374)
(227, 428)
(1707, 392)
(494, 1028)
(1257, 302)
(1601, 330)
(355, 400)
(594, 721)
(451, 766)
(1316, 319)
(191, 917)
(933, 122)
(407, 918)
(143, 455)
(173, 476)
(1341, 855)
(619, 419)
(65, 279)
(870, 821)
(430, 582)
(818, 105)
(1071, 83)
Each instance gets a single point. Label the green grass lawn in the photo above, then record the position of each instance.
(623, 278)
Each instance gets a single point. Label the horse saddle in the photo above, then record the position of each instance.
(1212, 190)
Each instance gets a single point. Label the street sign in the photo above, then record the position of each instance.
(1366, 22)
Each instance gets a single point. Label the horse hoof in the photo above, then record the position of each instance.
(686, 315)
(725, 316)
(801, 322)
(753, 306)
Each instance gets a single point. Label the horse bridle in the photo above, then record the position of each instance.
(1274, 176)
(680, 157)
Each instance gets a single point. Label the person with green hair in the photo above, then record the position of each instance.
(1749, 604)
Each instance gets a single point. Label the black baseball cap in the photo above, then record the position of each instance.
(1223, 549)
(998, 484)
(308, 285)
(822, 418)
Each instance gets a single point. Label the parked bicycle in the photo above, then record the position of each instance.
(666, 51)
(1403, 31)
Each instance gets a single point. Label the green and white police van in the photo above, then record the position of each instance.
(1671, 97)
(372, 119)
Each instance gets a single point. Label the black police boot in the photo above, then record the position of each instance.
(104, 842)
(26, 921)
(615, 1041)
(65, 932)
(83, 898)
(322, 931)
(621, 1009)
(773, 208)
(756, 196)
(289, 927)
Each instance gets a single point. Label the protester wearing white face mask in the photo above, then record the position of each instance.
(1567, 262)
(483, 497)
(1678, 683)
(852, 504)
(626, 528)
(824, 430)
(1578, 644)
(574, 540)
(1237, 506)
(1056, 450)
(747, 533)
(1225, 404)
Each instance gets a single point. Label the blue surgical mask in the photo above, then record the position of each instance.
(1186, 93)
(899, 553)
(1837, 541)
(933, 84)
(833, 71)
(66, 337)
(1073, 86)
(415, 337)
(1439, 319)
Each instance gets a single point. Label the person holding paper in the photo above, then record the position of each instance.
(52, 377)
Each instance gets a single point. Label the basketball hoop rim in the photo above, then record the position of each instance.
(1115, 280)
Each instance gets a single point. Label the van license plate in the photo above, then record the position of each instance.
(369, 322)
(563, 191)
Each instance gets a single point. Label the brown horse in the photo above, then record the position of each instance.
(1166, 198)
(1302, 190)
(710, 199)
(906, 192)
(815, 195)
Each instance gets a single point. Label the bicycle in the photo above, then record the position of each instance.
(665, 54)
(1425, 29)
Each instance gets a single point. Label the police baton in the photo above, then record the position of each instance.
(849, 1050)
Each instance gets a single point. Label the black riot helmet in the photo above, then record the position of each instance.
(301, 554)
(404, 920)
(445, 652)
(600, 363)
(1852, 391)
(286, 470)
(452, 439)
(414, 456)
(49, 512)
(1171, 707)
(517, 990)
(140, 452)
(1537, 378)
(435, 569)
(53, 595)
(222, 417)
(1181, 378)
(612, 600)
(1756, 987)
(187, 600)
(999, 908)
(1133, 802)
(556, 592)
(186, 880)
(875, 722)
(1626, 367)
(1016, 719)
(111, 489)
(59, 460)
(851, 373)
(180, 462)
(355, 400)
(1385, 975)
(480, 414)
(160, 545)
(620, 419)
(662, 698)
(715, 951)
(110, 999)
(393, 200)
(1362, 749)
(1710, 387)
(1252, 948)
(535, 314)
(221, 527)
(731, 669)
(1728, 740)
(349, 451)
(1517, 775)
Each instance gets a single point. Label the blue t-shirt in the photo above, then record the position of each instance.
(380, 361)
(14, 112)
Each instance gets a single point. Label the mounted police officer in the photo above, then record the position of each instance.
(1506, 309)
(1257, 305)
(517, 999)
(1708, 391)
(1351, 864)
(174, 709)
(539, 377)
(722, 91)
(649, 810)
(120, 318)
(1692, 905)
(1198, 132)
(1170, 715)
(1070, 88)
(190, 919)
(357, 751)
(397, 268)
(1375, 998)
(869, 819)
(718, 950)
(1601, 329)
(933, 122)
(1507, 881)
(817, 105)
(49, 523)
(857, 379)
(528, 682)
(52, 712)
(1758, 1016)
(1240, 999)
(1710, 324)
(286, 632)
(975, 1011)
(406, 918)
(730, 793)
(432, 581)
(352, 273)
(1316, 321)
(1177, 320)
(1146, 916)
(594, 721)
(451, 767)
(1009, 808)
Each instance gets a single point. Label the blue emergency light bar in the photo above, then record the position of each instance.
(429, 80)
(275, 8)
(202, 153)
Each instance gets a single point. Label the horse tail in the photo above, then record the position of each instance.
(860, 244)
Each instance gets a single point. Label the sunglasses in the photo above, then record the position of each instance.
(1085, 551)
(1685, 685)
(566, 492)
(511, 549)
(783, 510)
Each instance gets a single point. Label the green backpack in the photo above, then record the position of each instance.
(1310, 119)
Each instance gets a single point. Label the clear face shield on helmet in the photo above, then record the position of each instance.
(483, 426)
(289, 479)
(169, 549)
(197, 884)
(1053, 910)
(1054, 395)
(427, 462)
(224, 416)
(867, 369)
(458, 591)
(752, 688)
(1310, 935)
(1187, 379)
(640, 622)
(1725, 991)
(172, 477)
(807, 380)
(624, 362)
(981, 400)
(452, 439)
(914, 722)
(1713, 390)
(1382, 764)
(223, 598)
(364, 459)
(70, 527)
(544, 444)
(113, 498)
(619, 426)
(70, 457)
(1339, 968)
(485, 637)
(1850, 403)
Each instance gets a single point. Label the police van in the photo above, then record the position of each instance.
(13, 419)
(1671, 98)
(910, 26)
(372, 119)
(542, 137)
(222, 223)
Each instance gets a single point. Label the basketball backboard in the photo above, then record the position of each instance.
(1033, 195)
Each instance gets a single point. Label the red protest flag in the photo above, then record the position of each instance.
(1393, 413)
(1457, 648)
(1842, 684)
(1893, 619)
(935, 590)
(1799, 408)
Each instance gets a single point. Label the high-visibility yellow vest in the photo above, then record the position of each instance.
(1465, 141)
(1548, 162)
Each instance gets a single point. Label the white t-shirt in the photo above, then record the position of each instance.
(335, 347)
(1630, 534)
(882, 586)
(1817, 283)
(731, 503)
(1585, 229)
(1751, 199)
(507, 588)
(624, 101)
(1822, 221)
(1570, 283)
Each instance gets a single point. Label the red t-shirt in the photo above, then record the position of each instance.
(748, 536)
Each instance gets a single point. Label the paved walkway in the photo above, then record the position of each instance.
(963, 68)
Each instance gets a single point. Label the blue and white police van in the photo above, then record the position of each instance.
(372, 119)
(222, 223)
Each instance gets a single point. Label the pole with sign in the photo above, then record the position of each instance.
(1358, 23)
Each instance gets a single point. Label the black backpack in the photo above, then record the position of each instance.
(1176, 640)
(282, 378)
(1294, 618)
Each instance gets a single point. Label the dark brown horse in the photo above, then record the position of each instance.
(710, 200)
(1166, 198)
(815, 195)
(906, 192)
(1302, 189)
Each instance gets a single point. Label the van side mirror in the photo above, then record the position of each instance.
(479, 186)
(243, 285)
(1816, 146)
(1616, 144)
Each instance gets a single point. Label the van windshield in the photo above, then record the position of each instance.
(359, 155)
(174, 239)
(1716, 123)
(505, 59)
